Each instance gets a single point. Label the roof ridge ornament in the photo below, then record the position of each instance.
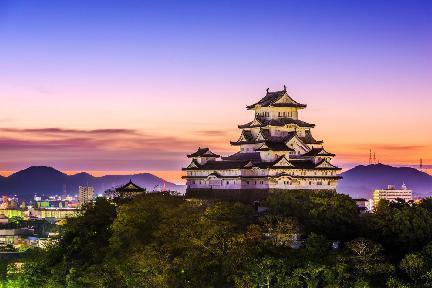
(284, 88)
(267, 90)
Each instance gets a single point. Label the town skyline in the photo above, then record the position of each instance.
(137, 96)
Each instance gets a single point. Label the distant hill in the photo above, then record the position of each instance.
(360, 181)
(42, 180)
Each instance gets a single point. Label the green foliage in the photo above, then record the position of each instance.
(400, 227)
(167, 241)
(327, 213)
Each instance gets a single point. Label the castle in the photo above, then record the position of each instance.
(276, 152)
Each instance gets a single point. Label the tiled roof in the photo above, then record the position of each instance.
(220, 165)
(277, 122)
(316, 151)
(272, 97)
(203, 152)
(130, 187)
(275, 146)
(309, 139)
(248, 156)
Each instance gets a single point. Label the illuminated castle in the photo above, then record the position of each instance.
(276, 152)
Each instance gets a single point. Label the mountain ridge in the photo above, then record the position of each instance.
(45, 180)
(361, 180)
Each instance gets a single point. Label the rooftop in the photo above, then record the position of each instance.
(203, 152)
(272, 98)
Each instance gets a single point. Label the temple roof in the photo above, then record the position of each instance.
(318, 152)
(203, 152)
(274, 146)
(130, 187)
(241, 160)
(262, 122)
(267, 138)
(220, 165)
(309, 139)
(240, 156)
(272, 97)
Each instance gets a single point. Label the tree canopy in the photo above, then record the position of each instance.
(302, 240)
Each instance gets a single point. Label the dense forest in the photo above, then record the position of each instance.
(300, 240)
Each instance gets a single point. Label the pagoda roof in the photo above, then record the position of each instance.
(274, 146)
(130, 187)
(271, 98)
(262, 122)
(318, 152)
(220, 165)
(248, 160)
(203, 152)
(309, 139)
(267, 138)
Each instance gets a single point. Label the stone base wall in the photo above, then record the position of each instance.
(243, 195)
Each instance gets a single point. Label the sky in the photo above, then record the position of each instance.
(133, 86)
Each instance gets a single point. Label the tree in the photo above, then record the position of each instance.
(327, 213)
(317, 247)
(414, 266)
(400, 228)
(367, 260)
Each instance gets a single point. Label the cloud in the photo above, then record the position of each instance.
(212, 133)
(99, 148)
(62, 131)
(392, 147)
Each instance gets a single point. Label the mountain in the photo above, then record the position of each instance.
(42, 180)
(360, 181)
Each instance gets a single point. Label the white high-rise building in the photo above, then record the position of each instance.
(85, 194)
(392, 194)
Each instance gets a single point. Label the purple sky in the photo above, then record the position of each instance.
(136, 85)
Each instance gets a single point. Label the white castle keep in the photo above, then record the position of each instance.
(276, 152)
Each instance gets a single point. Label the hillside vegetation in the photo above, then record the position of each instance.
(302, 240)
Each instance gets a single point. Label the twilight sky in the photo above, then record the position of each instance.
(120, 86)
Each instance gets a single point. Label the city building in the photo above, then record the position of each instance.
(85, 194)
(276, 152)
(364, 205)
(392, 194)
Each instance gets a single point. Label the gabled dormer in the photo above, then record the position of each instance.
(326, 164)
(193, 165)
(282, 162)
(297, 144)
(248, 165)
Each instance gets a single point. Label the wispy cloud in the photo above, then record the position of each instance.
(409, 147)
(62, 131)
(212, 133)
(98, 149)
